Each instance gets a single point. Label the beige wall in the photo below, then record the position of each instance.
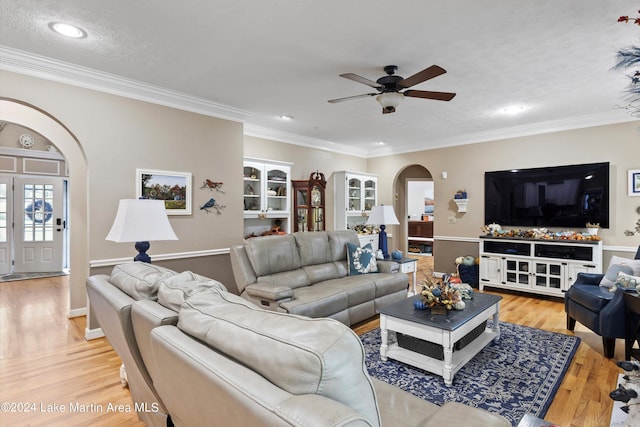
(618, 144)
(306, 160)
(116, 135)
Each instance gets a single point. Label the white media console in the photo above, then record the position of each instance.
(539, 266)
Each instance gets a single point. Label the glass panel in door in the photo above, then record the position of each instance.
(5, 225)
(39, 225)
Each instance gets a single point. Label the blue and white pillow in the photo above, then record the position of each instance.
(361, 260)
(616, 266)
(628, 282)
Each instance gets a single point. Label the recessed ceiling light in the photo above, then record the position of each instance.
(68, 30)
(513, 109)
(285, 117)
(381, 143)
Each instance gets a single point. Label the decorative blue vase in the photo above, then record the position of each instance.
(418, 304)
(396, 255)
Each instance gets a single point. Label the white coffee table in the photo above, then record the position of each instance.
(440, 329)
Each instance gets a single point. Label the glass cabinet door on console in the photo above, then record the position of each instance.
(548, 275)
(516, 272)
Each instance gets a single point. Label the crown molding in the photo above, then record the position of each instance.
(318, 144)
(21, 62)
(572, 123)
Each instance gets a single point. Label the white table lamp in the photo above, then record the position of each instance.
(383, 215)
(141, 221)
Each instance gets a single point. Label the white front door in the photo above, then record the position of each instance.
(39, 224)
(6, 231)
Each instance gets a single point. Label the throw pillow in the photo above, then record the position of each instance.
(139, 280)
(610, 277)
(174, 291)
(361, 260)
(627, 281)
(619, 264)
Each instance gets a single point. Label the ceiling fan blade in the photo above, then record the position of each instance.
(424, 75)
(348, 98)
(359, 79)
(426, 94)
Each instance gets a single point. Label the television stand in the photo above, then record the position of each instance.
(547, 267)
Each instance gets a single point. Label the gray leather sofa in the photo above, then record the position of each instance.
(231, 363)
(111, 299)
(307, 274)
(211, 358)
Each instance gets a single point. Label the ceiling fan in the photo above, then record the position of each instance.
(389, 87)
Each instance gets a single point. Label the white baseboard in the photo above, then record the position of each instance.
(77, 312)
(92, 334)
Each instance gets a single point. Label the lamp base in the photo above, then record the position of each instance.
(382, 242)
(142, 248)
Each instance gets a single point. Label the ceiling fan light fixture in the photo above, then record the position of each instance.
(389, 101)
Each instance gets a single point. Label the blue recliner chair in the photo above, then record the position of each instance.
(596, 308)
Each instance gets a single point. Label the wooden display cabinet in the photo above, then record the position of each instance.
(309, 203)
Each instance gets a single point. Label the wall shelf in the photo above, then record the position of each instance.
(462, 204)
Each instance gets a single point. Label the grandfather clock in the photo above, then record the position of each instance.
(308, 203)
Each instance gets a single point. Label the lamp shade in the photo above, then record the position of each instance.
(382, 215)
(141, 220)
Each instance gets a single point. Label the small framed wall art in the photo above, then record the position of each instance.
(172, 187)
(634, 182)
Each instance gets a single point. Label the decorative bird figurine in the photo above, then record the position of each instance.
(213, 185)
(211, 204)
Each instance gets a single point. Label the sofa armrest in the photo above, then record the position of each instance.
(588, 279)
(309, 409)
(145, 316)
(458, 414)
(400, 408)
(388, 266)
(268, 292)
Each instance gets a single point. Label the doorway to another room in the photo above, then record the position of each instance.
(32, 226)
(412, 187)
(420, 206)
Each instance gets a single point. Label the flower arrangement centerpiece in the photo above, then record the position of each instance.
(440, 296)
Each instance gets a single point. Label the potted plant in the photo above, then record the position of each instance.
(593, 228)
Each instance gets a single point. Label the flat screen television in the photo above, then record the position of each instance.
(558, 196)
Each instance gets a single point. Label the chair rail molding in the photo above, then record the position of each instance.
(161, 257)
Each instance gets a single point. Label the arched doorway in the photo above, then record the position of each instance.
(409, 173)
(48, 126)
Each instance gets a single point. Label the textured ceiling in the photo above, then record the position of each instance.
(277, 57)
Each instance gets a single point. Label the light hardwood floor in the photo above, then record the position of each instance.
(45, 361)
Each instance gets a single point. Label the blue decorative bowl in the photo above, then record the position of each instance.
(418, 304)
(396, 255)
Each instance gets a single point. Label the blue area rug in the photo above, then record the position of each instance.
(518, 374)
